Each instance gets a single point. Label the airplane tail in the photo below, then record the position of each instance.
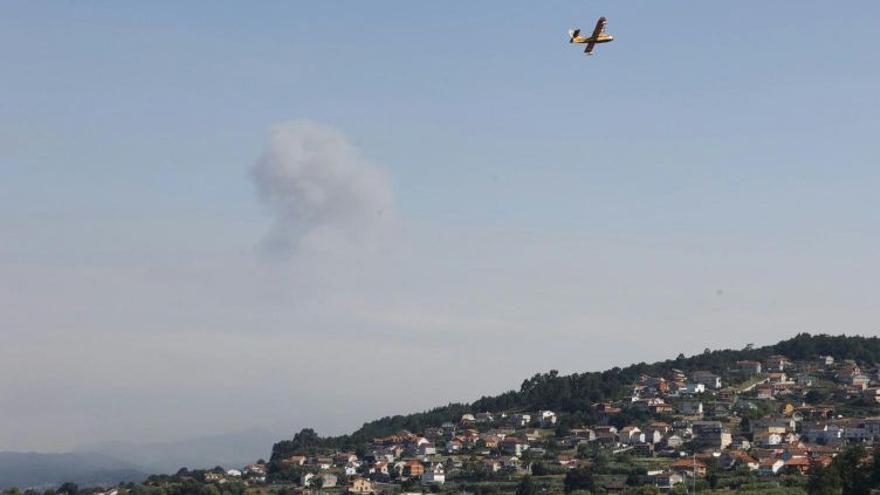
(572, 34)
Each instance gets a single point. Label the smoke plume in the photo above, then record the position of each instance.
(319, 189)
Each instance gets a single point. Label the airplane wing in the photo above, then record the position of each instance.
(600, 27)
(589, 49)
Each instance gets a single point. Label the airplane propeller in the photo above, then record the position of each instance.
(572, 34)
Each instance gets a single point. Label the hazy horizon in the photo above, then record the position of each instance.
(292, 215)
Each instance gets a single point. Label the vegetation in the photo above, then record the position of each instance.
(576, 393)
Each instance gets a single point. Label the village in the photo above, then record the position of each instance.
(775, 419)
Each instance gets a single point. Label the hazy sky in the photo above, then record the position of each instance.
(228, 215)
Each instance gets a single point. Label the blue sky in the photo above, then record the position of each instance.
(711, 146)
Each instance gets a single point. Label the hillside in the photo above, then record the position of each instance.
(576, 394)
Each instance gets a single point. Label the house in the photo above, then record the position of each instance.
(777, 377)
(294, 460)
(379, 468)
(255, 473)
(749, 368)
(711, 434)
(643, 450)
(606, 410)
(484, 417)
(691, 408)
(770, 466)
(361, 485)
(736, 458)
(653, 385)
(435, 474)
(427, 449)
(661, 408)
(665, 480)
(514, 446)
(490, 441)
(764, 391)
(798, 465)
(520, 420)
(322, 463)
(352, 468)
(533, 435)
(606, 435)
(689, 467)
(631, 435)
(324, 480)
(212, 476)
(512, 464)
(804, 379)
(589, 435)
(727, 394)
(661, 426)
(653, 435)
(709, 379)
(822, 433)
(343, 458)
(674, 441)
(773, 425)
(777, 363)
(872, 426)
(548, 419)
(693, 388)
(766, 438)
(413, 469)
(454, 445)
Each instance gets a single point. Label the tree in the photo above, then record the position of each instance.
(851, 471)
(68, 488)
(823, 481)
(526, 486)
(579, 479)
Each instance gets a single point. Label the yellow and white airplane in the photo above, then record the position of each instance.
(599, 36)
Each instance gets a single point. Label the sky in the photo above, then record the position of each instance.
(228, 215)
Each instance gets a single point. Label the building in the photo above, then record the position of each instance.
(709, 379)
(361, 485)
(749, 368)
(435, 474)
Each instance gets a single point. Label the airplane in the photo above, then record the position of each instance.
(599, 36)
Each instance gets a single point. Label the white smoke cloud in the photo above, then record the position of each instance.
(320, 189)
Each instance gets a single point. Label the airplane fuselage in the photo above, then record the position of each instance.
(602, 38)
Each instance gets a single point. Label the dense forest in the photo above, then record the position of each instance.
(575, 393)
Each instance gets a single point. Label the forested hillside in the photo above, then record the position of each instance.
(576, 393)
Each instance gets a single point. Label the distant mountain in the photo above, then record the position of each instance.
(35, 470)
(227, 450)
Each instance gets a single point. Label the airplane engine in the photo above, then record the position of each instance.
(572, 34)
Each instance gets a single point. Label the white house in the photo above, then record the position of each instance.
(691, 408)
(435, 474)
(707, 378)
(694, 388)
